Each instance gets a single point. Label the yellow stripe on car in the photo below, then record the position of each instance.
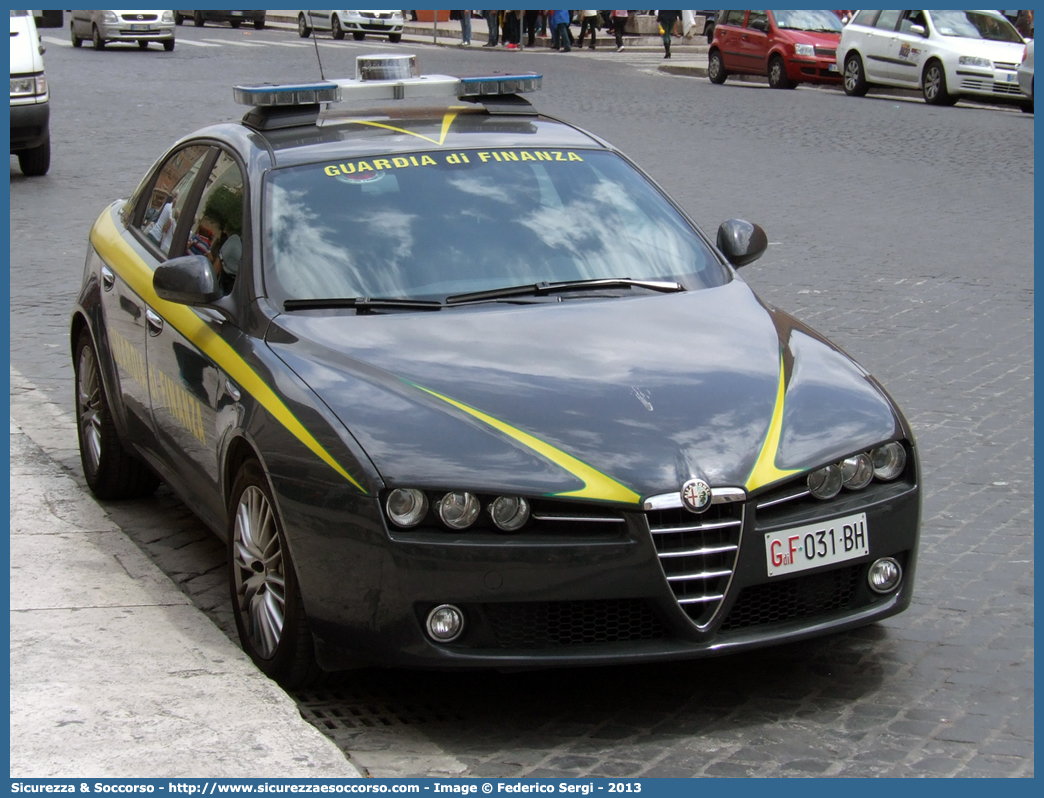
(596, 484)
(765, 471)
(107, 240)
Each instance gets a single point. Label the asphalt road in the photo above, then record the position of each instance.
(903, 232)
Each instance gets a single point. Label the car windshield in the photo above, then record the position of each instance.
(823, 21)
(428, 225)
(974, 25)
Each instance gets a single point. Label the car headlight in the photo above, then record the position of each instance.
(970, 60)
(458, 509)
(509, 512)
(29, 85)
(110, 17)
(825, 482)
(889, 461)
(807, 50)
(167, 18)
(352, 14)
(857, 471)
(406, 507)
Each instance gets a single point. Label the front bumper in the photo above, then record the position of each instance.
(598, 597)
(813, 70)
(126, 32)
(30, 125)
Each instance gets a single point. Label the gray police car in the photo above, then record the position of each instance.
(461, 387)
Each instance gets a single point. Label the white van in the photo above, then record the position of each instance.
(30, 110)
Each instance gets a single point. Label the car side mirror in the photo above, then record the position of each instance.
(741, 242)
(188, 280)
(919, 30)
(759, 24)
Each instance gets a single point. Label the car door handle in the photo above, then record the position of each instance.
(154, 322)
(108, 278)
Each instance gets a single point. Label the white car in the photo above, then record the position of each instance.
(102, 27)
(357, 23)
(30, 109)
(1026, 73)
(945, 54)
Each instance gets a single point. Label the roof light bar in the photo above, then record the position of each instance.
(291, 94)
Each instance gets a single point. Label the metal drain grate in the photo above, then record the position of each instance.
(332, 710)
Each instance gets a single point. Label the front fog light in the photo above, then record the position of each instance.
(889, 460)
(445, 623)
(884, 575)
(825, 482)
(857, 471)
(459, 509)
(509, 512)
(406, 506)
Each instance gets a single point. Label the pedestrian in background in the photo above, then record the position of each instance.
(493, 23)
(465, 28)
(588, 22)
(667, 20)
(560, 26)
(529, 26)
(619, 20)
(512, 29)
(1024, 24)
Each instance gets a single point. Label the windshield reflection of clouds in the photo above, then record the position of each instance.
(428, 232)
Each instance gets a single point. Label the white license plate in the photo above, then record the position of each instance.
(791, 550)
(1009, 77)
(832, 67)
(139, 27)
(237, 13)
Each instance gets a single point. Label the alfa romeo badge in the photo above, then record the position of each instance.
(696, 495)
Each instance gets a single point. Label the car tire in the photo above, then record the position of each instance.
(259, 24)
(96, 39)
(110, 470)
(777, 74)
(142, 44)
(302, 27)
(336, 30)
(76, 40)
(395, 38)
(358, 35)
(169, 46)
(197, 19)
(716, 68)
(708, 31)
(266, 598)
(178, 19)
(933, 85)
(36, 162)
(854, 78)
(235, 23)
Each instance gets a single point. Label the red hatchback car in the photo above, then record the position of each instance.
(789, 47)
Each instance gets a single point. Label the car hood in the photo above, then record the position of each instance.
(1006, 52)
(811, 37)
(600, 398)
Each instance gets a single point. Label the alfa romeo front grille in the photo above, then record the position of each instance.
(698, 555)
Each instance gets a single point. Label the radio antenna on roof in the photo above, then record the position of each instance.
(315, 41)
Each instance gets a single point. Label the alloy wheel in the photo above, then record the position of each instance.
(89, 408)
(260, 583)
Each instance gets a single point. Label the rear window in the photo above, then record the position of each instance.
(427, 225)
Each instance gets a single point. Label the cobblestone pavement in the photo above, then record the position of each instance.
(903, 232)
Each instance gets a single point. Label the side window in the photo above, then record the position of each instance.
(753, 15)
(864, 18)
(911, 18)
(169, 194)
(217, 229)
(887, 20)
(735, 18)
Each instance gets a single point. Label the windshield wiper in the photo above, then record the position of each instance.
(362, 304)
(540, 289)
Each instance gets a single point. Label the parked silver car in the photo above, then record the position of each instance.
(358, 23)
(103, 27)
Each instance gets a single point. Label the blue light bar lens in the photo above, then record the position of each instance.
(294, 94)
(499, 84)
